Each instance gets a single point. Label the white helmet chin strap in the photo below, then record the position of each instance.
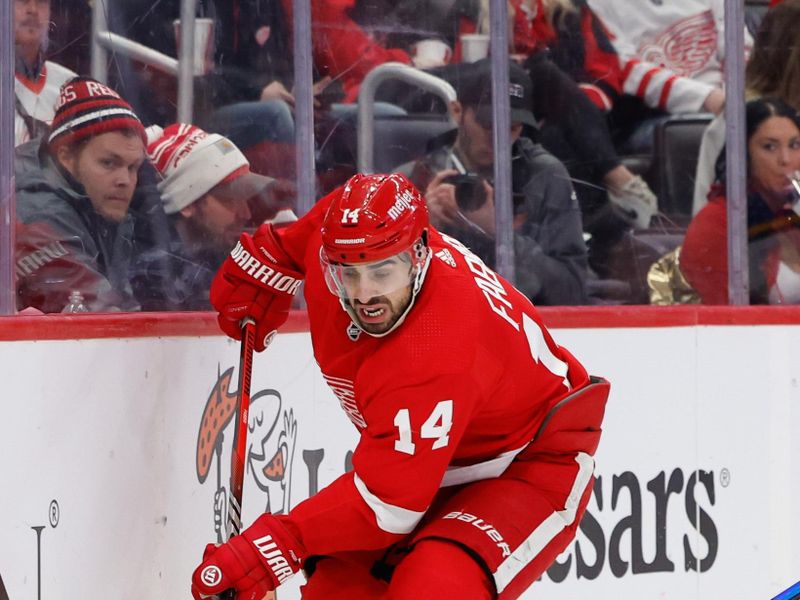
(422, 271)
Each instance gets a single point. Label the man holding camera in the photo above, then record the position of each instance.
(551, 262)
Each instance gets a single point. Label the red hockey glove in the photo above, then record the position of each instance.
(253, 563)
(255, 281)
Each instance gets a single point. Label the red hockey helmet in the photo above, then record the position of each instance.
(374, 244)
(374, 217)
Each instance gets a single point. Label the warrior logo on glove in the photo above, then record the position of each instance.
(257, 281)
(264, 273)
(211, 575)
(253, 563)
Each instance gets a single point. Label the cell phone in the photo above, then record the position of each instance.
(470, 191)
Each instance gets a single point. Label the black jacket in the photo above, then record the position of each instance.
(64, 245)
(550, 254)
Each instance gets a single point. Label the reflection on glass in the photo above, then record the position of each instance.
(604, 165)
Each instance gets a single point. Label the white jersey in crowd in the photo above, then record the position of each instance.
(671, 51)
(38, 98)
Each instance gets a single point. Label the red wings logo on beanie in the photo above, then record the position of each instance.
(79, 87)
(87, 108)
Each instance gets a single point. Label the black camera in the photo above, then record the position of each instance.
(470, 191)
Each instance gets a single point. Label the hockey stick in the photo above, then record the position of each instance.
(793, 593)
(240, 435)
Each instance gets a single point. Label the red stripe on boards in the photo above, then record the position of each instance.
(204, 324)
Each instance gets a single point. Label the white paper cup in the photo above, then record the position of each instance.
(203, 44)
(431, 53)
(474, 46)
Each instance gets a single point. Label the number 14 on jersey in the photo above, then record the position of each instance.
(436, 427)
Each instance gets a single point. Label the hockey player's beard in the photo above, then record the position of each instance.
(393, 305)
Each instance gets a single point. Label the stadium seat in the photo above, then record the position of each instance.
(672, 171)
(399, 140)
(754, 11)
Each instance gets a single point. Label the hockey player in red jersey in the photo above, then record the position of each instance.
(477, 431)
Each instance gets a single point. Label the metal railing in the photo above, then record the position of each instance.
(366, 103)
(105, 42)
(735, 149)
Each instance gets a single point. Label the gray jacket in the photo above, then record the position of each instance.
(64, 245)
(550, 254)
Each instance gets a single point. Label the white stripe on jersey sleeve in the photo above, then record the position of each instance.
(549, 529)
(688, 95)
(390, 518)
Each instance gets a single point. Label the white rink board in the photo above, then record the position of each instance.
(100, 491)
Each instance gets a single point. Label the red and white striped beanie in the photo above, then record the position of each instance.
(87, 108)
(191, 162)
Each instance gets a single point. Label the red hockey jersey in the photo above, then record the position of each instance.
(449, 397)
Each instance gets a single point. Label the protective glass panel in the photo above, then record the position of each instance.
(644, 152)
(604, 144)
(617, 112)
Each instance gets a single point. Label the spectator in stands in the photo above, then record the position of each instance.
(248, 96)
(672, 56)
(772, 71)
(576, 80)
(573, 127)
(551, 262)
(352, 37)
(576, 77)
(773, 226)
(206, 186)
(37, 81)
(76, 232)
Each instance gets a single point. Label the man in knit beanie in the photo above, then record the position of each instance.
(210, 196)
(79, 200)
